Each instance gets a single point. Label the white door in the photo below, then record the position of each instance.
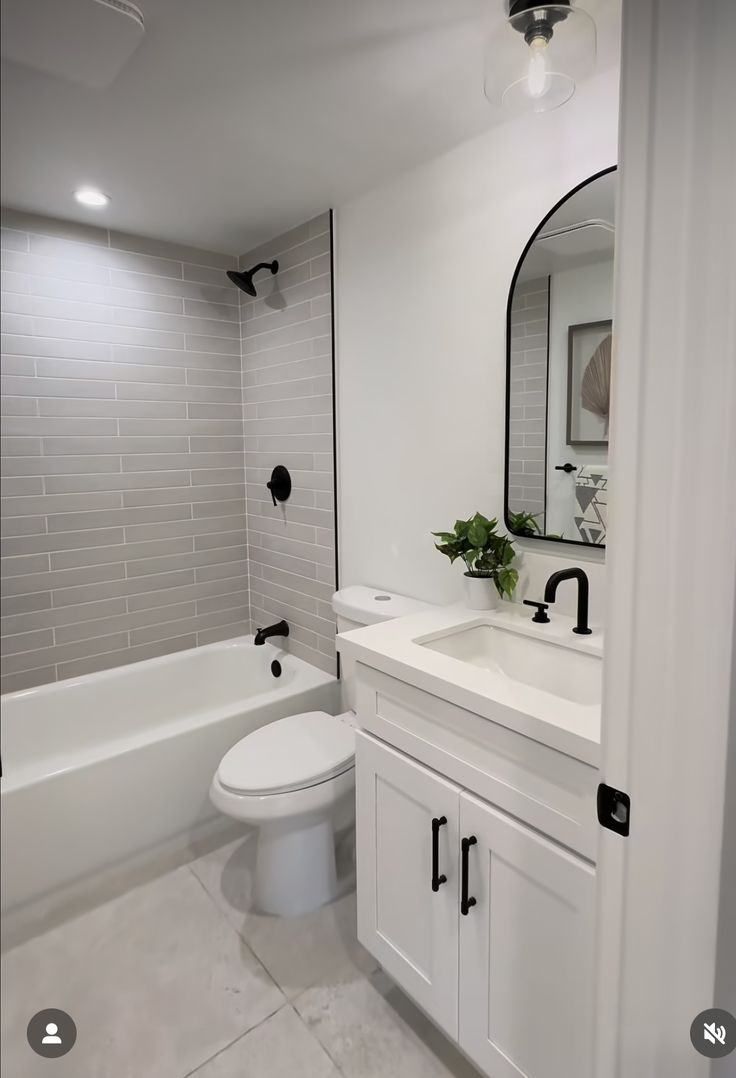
(526, 951)
(407, 911)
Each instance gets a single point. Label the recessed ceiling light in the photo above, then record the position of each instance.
(90, 196)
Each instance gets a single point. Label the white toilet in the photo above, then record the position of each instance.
(294, 777)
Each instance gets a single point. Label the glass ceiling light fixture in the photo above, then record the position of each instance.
(535, 62)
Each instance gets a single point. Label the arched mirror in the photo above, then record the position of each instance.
(558, 370)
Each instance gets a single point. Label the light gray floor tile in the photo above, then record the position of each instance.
(156, 981)
(298, 952)
(279, 1048)
(370, 1029)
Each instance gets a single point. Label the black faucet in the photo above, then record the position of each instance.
(550, 590)
(281, 628)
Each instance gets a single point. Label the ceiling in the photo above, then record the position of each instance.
(584, 246)
(234, 120)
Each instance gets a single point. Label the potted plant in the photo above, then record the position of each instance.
(487, 556)
(523, 523)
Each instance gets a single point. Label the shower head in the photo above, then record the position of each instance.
(244, 279)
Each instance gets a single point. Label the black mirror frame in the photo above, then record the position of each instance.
(507, 411)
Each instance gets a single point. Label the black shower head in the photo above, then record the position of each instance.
(244, 280)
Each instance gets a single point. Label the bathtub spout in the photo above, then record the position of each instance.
(281, 628)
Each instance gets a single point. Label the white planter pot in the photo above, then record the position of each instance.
(480, 592)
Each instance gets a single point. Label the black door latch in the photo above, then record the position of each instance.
(614, 809)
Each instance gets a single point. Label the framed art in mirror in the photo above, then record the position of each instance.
(589, 347)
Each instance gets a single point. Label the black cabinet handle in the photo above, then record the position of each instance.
(466, 904)
(436, 878)
(565, 467)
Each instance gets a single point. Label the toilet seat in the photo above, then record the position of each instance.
(291, 754)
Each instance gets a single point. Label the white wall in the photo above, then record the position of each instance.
(424, 265)
(578, 295)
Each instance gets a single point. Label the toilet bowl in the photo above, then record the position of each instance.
(289, 779)
(294, 779)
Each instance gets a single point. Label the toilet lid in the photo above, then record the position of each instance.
(289, 754)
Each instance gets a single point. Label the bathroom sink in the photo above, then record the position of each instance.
(569, 674)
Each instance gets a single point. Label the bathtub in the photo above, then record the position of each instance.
(110, 772)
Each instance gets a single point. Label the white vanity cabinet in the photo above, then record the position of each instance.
(510, 979)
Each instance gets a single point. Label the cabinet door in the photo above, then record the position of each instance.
(526, 951)
(411, 928)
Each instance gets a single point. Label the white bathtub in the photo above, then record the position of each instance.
(113, 769)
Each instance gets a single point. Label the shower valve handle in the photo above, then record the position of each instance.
(279, 484)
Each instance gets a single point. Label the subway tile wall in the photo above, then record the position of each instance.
(288, 398)
(123, 509)
(528, 398)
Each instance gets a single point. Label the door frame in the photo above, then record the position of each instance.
(669, 699)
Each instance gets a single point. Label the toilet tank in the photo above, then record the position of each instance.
(358, 606)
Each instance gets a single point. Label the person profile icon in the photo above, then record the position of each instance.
(51, 1037)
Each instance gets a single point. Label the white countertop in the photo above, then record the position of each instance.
(394, 647)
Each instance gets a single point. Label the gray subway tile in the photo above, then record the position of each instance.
(84, 370)
(95, 519)
(134, 409)
(230, 585)
(121, 552)
(162, 461)
(29, 660)
(68, 484)
(17, 406)
(234, 564)
(92, 592)
(199, 559)
(126, 622)
(193, 495)
(26, 641)
(194, 624)
(39, 581)
(10, 605)
(49, 466)
(34, 544)
(126, 241)
(43, 426)
(73, 231)
(22, 565)
(28, 679)
(55, 387)
(204, 362)
(219, 539)
(66, 615)
(223, 632)
(215, 428)
(113, 659)
(185, 289)
(150, 391)
(71, 446)
(195, 527)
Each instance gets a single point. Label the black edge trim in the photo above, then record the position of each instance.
(538, 229)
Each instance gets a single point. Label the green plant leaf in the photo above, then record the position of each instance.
(478, 532)
(506, 581)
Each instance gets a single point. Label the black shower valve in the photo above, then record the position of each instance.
(279, 484)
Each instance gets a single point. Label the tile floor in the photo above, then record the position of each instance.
(178, 978)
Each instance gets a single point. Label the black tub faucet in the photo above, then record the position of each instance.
(281, 628)
(550, 591)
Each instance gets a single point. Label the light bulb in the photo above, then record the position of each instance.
(537, 79)
(90, 196)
